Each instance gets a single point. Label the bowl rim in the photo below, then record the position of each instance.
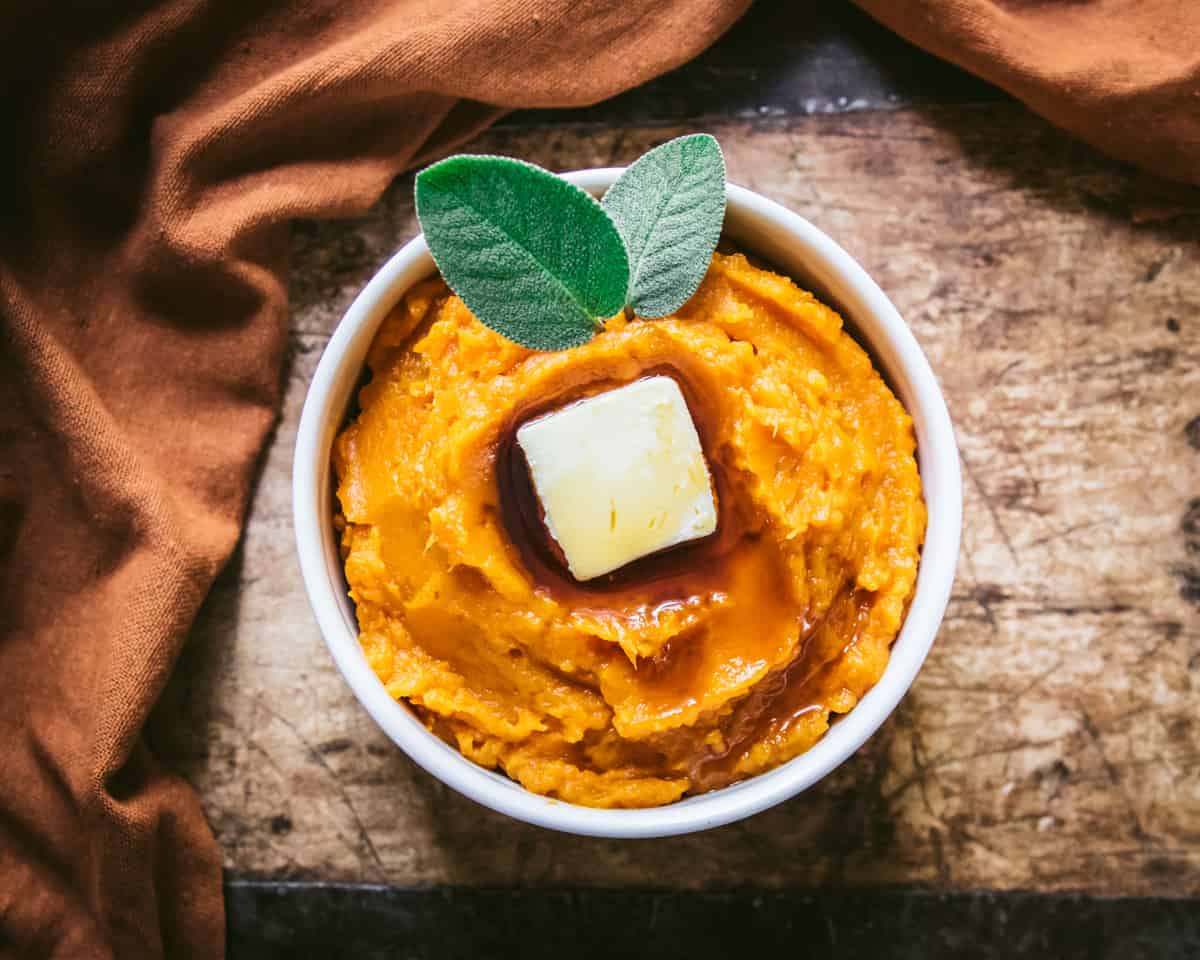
(880, 328)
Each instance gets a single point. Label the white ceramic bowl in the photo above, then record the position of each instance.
(795, 246)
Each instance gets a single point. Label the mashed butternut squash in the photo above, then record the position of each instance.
(688, 671)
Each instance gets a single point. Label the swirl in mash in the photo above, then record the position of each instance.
(725, 659)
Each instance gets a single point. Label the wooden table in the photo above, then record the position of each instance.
(1051, 743)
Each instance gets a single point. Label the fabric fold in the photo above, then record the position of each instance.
(1123, 75)
(156, 153)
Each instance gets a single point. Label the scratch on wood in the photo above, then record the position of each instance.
(987, 500)
(1114, 776)
(363, 834)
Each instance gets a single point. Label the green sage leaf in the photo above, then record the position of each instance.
(669, 206)
(533, 257)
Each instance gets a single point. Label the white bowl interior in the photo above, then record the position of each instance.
(794, 245)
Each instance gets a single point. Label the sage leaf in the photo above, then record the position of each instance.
(669, 206)
(533, 257)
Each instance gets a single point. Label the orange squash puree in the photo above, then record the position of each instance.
(684, 672)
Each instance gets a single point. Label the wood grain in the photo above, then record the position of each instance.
(1052, 741)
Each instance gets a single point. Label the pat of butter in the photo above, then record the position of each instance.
(620, 475)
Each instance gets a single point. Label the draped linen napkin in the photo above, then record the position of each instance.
(1124, 75)
(153, 155)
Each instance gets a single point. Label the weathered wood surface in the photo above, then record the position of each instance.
(1052, 740)
(772, 63)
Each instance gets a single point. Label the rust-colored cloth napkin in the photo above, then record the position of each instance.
(153, 155)
(1124, 75)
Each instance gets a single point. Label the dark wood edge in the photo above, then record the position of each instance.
(268, 919)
